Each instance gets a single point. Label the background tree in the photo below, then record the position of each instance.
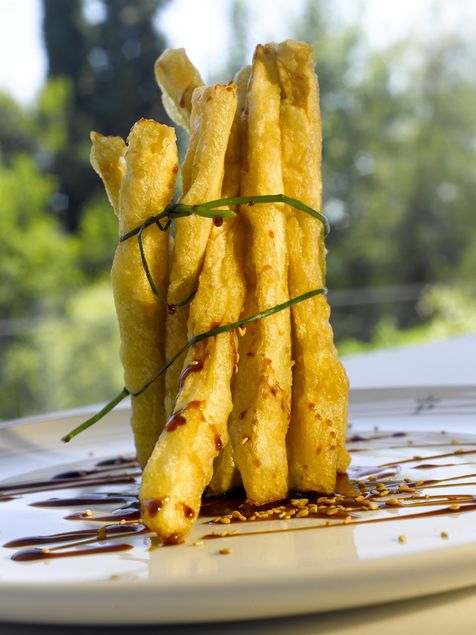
(109, 68)
(399, 165)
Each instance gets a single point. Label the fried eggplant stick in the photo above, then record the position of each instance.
(177, 78)
(316, 437)
(225, 474)
(213, 109)
(149, 168)
(181, 465)
(262, 387)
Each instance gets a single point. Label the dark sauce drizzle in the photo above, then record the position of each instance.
(125, 520)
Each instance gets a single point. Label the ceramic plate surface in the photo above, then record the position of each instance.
(296, 566)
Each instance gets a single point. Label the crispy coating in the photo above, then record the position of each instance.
(181, 465)
(213, 109)
(262, 388)
(316, 437)
(177, 78)
(107, 161)
(226, 476)
(265, 405)
(146, 187)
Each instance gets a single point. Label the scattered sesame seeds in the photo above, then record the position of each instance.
(299, 502)
(394, 502)
(226, 551)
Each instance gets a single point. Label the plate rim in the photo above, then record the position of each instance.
(175, 592)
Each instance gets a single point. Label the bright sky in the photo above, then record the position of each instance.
(201, 27)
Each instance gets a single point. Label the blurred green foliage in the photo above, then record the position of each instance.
(399, 165)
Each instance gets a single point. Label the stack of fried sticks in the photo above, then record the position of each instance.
(263, 406)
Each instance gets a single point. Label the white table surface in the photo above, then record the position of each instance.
(450, 362)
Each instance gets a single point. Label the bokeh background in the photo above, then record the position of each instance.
(398, 95)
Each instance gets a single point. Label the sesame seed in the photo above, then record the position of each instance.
(225, 521)
(244, 440)
(454, 507)
(299, 502)
(88, 512)
(373, 506)
(402, 539)
(302, 513)
(454, 442)
(225, 551)
(385, 492)
(197, 543)
(393, 502)
(444, 534)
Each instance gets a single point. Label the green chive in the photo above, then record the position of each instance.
(194, 340)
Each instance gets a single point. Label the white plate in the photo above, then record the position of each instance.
(286, 573)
